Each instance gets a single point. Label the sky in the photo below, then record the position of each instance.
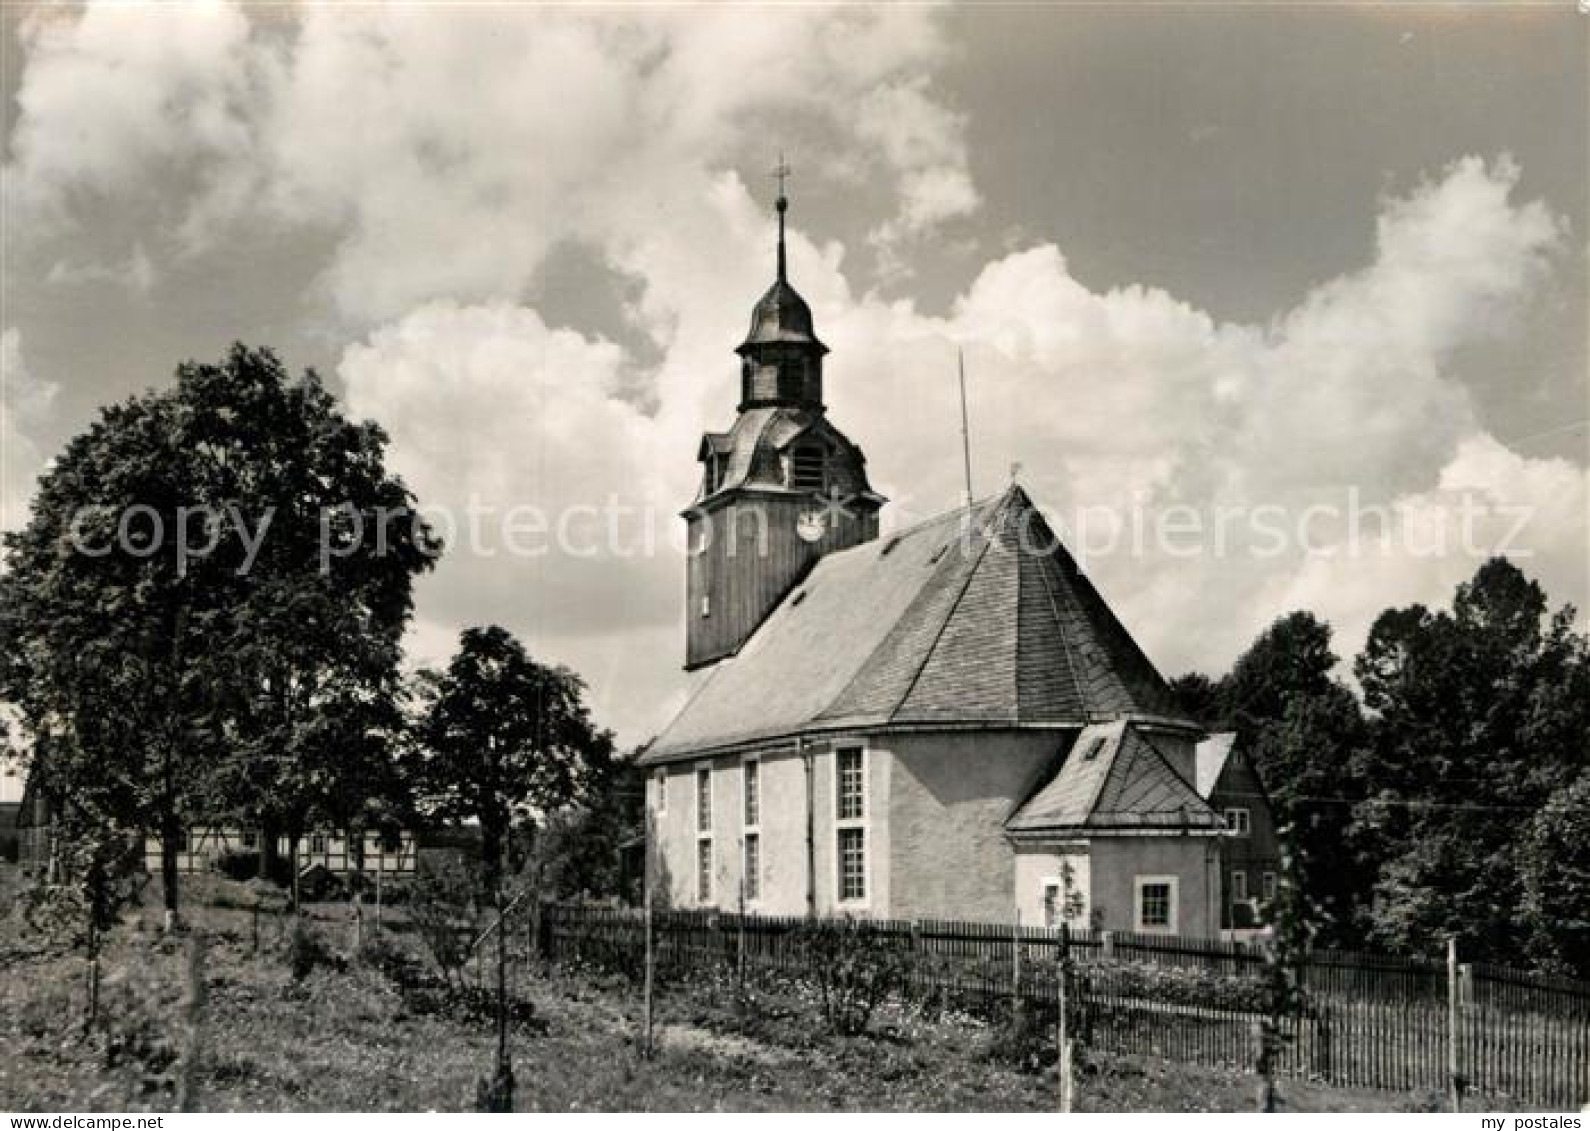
(1216, 258)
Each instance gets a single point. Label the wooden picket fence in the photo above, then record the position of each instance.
(1368, 1020)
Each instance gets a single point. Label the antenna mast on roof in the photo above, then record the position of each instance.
(966, 439)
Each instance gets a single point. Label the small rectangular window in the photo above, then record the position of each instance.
(852, 864)
(753, 866)
(704, 870)
(1239, 887)
(1156, 904)
(317, 842)
(1237, 820)
(753, 793)
(250, 838)
(1269, 886)
(704, 800)
(851, 792)
(659, 777)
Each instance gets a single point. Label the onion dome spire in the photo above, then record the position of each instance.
(781, 316)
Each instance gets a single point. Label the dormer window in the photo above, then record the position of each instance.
(714, 472)
(806, 468)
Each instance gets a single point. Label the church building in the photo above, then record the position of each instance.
(946, 721)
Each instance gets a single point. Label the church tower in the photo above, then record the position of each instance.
(781, 488)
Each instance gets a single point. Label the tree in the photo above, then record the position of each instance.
(1289, 659)
(1478, 717)
(1199, 697)
(576, 852)
(1302, 729)
(505, 739)
(1554, 859)
(1285, 996)
(214, 579)
(1306, 759)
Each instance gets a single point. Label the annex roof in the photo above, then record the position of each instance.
(1114, 780)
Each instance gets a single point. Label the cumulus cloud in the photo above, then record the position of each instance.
(24, 404)
(579, 126)
(1127, 401)
(926, 142)
(597, 129)
(1136, 401)
(1486, 499)
(116, 92)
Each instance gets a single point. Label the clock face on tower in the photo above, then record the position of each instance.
(811, 525)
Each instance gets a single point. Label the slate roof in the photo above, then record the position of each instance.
(753, 447)
(1210, 757)
(1115, 780)
(978, 616)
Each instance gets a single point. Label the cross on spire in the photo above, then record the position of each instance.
(781, 173)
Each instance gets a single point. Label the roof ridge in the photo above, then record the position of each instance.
(1065, 638)
(945, 516)
(1191, 787)
(1119, 647)
(1016, 643)
(938, 636)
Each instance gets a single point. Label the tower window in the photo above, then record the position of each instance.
(806, 468)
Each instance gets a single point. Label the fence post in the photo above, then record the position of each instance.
(914, 972)
(651, 962)
(1261, 1062)
(93, 973)
(1324, 1065)
(1015, 967)
(739, 931)
(193, 1009)
(1454, 1081)
(1064, 1065)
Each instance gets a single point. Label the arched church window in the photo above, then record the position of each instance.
(807, 471)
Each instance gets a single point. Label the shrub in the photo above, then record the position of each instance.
(856, 969)
(238, 864)
(1025, 1038)
(242, 864)
(397, 966)
(442, 909)
(307, 952)
(1175, 985)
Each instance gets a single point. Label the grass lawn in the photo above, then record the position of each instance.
(348, 1039)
